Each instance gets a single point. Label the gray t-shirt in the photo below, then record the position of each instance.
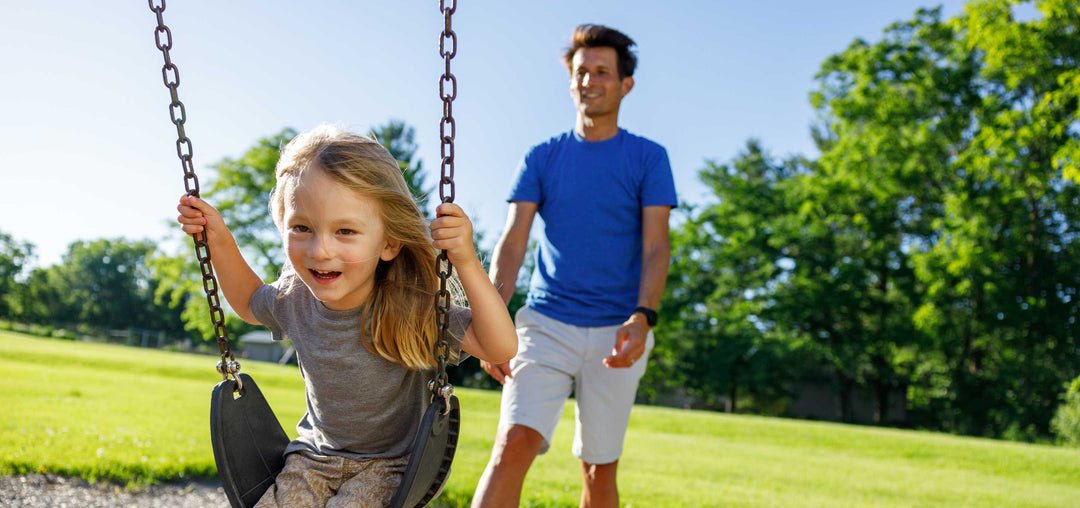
(359, 405)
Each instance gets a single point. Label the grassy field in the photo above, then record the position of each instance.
(137, 416)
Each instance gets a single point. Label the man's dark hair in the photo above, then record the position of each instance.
(599, 36)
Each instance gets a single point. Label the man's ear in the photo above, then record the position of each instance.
(627, 84)
(390, 250)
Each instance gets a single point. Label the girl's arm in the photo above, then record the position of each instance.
(236, 278)
(491, 336)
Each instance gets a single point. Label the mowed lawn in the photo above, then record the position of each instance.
(136, 416)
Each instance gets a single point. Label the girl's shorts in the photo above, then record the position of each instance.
(318, 480)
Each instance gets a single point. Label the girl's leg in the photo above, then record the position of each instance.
(373, 484)
(307, 480)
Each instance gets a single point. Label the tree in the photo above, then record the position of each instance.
(1003, 275)
(931, 246)
(104, 283)
(40, 299)
(182, 293)
(15, 256)
(893, 114)
(241, 192)
(398, 138)
(716, 334)
(943, 146)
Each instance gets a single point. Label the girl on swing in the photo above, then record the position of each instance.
(355, 298)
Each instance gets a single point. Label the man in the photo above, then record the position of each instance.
(605, 196)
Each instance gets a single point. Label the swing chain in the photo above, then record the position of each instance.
(440, 386)
(170, 74)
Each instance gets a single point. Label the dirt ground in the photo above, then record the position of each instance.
(51, 491)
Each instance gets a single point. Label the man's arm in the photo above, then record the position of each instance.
(509, 251)
(655, 256)
(506, 262)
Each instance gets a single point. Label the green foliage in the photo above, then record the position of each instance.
(930, 247)
(717, 336)
(97, 411)
(241, 192)
(893, 112)
(15, 256)
(1001, 271)
(1066, 422)
(106, 283)
(398, 138)
(182, 292)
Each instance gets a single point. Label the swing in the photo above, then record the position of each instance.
(248, 441)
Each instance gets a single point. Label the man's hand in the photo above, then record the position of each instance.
(629, 343)
(499, 371)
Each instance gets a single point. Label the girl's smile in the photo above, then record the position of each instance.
(325, 277)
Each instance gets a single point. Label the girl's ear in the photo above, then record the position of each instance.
(390, 250)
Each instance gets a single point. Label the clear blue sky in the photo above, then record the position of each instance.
(87, 150)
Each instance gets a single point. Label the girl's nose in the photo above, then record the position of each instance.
(319, 248)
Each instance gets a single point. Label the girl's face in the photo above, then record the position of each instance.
(334, 238)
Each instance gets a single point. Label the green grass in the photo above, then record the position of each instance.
(137, 416)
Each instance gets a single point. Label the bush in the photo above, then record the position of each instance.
(41, 330)
(61, 333)
(1066, 422)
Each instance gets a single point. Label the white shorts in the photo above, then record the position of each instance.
(554, 358)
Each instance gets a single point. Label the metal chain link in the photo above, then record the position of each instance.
(170, 74)
(440, 386)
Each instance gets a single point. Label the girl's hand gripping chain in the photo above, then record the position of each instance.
(490, 337)
(452, 231)
(197, 215)
(236, 278)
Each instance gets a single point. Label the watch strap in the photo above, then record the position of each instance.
(650, 315)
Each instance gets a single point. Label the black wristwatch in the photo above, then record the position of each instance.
(650, 315)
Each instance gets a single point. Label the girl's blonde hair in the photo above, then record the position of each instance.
(399, 324)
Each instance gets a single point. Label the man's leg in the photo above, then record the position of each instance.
(515, 448)
(604, 400)
(599, 489)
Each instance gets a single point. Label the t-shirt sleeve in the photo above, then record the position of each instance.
(526, 185)
(460, 318)
(264, 303)
(658, 187)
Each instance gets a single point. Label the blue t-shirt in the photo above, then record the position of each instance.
(590, 196)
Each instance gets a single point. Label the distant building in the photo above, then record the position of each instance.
(259, 345)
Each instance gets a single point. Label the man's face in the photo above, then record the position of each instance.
(595, 85)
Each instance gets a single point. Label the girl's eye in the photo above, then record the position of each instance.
(346, 232)
(299, 229)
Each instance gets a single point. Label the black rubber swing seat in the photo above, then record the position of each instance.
(432, 452)
(249, 443)
(249, 446)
